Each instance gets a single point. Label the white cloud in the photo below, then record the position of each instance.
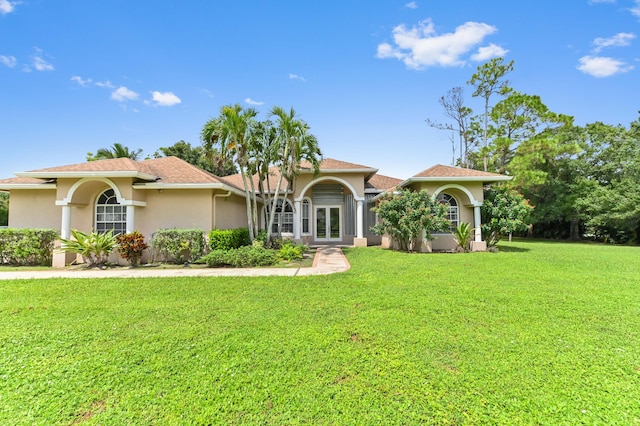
(296, 77)
(81, 81)
(620, 39)
(165, 98)
(6, 6)
(38, 62)
(488, 52)
(9, 61)
(635, 10)
(252, 102)
(208, 93)
(601, 66)
(420, 47)
(122, 94)
(107, 84)
(411, 5)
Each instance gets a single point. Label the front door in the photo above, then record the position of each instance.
(328, 223)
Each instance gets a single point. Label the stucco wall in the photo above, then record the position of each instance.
(34, 209)
(174, 208)
(230, 212)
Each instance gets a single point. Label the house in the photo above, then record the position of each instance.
(330, 207)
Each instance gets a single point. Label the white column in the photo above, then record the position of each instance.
(359, 219)
(65, 231)
(297, 213)
(477, 224)
(131, 215)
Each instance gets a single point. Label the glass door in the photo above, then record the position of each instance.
(328, 223)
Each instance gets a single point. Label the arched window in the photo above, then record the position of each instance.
(283, 220)
(110, 214)
(453, 213)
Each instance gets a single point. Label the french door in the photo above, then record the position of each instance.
(328, 223)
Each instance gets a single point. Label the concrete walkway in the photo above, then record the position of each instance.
(328, 260)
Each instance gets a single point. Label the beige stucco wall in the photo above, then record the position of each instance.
(34, 209)
(174, 208)
(230, 212)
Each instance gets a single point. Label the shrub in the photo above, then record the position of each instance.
(178, 245)
(225, 239)
(462, 236)
(94, 248)
(27, 246)
(242, 257)
(291, 251)
(131, 246)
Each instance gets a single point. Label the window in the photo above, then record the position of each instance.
(452, 214)
(306, 216)
(109, 214)
(283, 220)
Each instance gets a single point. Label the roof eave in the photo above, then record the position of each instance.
(10, 186)
(103, 174)
(209, 185)
(483, 179)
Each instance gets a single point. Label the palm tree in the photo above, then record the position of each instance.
(116, 151)
(233, 131)
(294, 144)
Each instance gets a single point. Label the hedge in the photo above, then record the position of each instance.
(27, 246)
(177, 245)
(226, 239)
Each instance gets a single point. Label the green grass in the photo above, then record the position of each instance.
(540, 333)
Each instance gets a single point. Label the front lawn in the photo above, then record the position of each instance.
(539, 333)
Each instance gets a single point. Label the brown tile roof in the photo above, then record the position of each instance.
(333, 164)
(274, 174)
(23, 181)
(383, 182)
(175, 170)
(439, 170)
(110, 165)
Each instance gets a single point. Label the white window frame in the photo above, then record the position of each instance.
(278, 220)
(306, 205)
(109, 214)
(453, 213)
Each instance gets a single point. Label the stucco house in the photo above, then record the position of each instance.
(331, 207)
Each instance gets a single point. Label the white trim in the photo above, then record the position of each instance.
(212, 185)
(327, 207)
(105, 174)
(333, 178)
(7, 187)
(67, 200)
(310, 218)
(464, 189)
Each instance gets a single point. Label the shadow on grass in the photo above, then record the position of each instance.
(512, 249)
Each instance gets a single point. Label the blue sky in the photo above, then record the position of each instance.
(78, 75)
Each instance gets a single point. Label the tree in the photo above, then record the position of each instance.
(504, 211)
(213, 162)
(233, 133)
(116, 151)
(488, 80)
(293, 144)
(407, 214)
(453, 104)
(517, 120)
(4, 208)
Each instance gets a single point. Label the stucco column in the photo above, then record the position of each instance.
(131, 216)
(65, 228)
(477, 223)
(359, 219)
(297, 213)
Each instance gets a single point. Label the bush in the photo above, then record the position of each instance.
(242, 257)
(178, 245)
(94, 248)
(291, 251)
(462, 236)
(225, 239)
(131, 246)
(28, 246)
